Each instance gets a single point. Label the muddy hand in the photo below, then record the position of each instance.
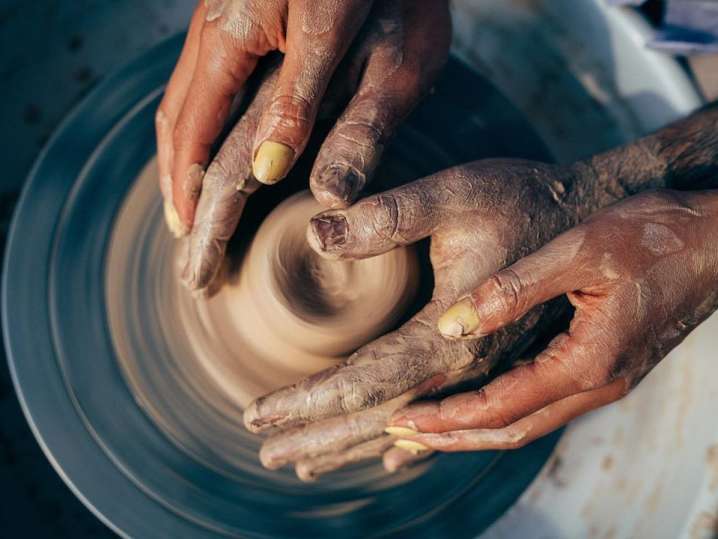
(483, 215)
(472, 235)
(400, 48)
(641, 275)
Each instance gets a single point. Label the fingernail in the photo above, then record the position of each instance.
(272, 162)
(193, 181)
(460, 320)
(400, 431)
(411, 446)
(340, 183)
(174, 223)
(329, 230)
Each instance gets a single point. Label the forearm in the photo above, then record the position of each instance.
(681, 156)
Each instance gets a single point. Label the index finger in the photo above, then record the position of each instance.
(386, 368)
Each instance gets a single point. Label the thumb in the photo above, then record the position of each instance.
(505, 297)
(381, 222)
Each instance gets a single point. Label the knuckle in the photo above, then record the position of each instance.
(325, 52)
(214, 39)
(219, 62)
(291, 105)
(365, 131)
(507, 288)
(385, 217)
(576, 365)
(290, 111)
(244, 27)
(493, 414)
(353, 396)
(396, 217)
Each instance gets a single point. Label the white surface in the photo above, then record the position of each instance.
(646, 466)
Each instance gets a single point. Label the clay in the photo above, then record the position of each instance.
(283, 313)
(287, 309)
(303, 302)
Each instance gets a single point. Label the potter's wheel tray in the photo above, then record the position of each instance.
(91, 326)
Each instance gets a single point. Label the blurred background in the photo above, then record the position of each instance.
(52, 53)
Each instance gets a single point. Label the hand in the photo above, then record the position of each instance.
(480, 217)
(641, 275)
(402, 46)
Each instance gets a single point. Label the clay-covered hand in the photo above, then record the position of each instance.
(400, 47)
(641, 275)
(480, 217)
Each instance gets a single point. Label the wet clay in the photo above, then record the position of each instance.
(282, 314)
(289, 310)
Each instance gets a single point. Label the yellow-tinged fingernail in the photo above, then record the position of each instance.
(272, 162)
(174, 223)
(411, 446)
(460, 320)
(400, 431)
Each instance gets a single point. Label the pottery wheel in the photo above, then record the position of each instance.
(282, 314)
(135, 389)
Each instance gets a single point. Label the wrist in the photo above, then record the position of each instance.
(682, 156)
(609, 177)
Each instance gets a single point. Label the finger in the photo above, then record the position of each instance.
(329, 436)
(222, 67)
(400, 67)
(378, 372)
(168, 111)
(527, 429)
(409, 360)
(227, 185)
(318, 34)
(397, 458)
(382, 222)
(559, 267)
(573, 362)
(310, 469)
